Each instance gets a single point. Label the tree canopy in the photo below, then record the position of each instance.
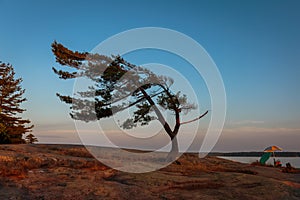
(119, 85)
(12, 126)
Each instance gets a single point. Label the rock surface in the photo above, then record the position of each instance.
(70, 172)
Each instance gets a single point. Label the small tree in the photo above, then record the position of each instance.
(120, 85)
(30, 139)
(10, 99)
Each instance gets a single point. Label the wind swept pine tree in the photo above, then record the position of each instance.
(119, 85)
(12, 126)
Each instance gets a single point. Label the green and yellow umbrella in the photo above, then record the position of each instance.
(272, 149)
(267, 153)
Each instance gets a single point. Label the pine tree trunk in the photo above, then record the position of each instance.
(172, 156)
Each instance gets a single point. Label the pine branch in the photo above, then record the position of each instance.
(195, 118)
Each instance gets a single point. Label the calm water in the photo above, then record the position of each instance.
(295, 161)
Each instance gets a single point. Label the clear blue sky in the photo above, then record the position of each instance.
(255, 45)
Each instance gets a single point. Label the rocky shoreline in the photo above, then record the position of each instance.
(70, 172)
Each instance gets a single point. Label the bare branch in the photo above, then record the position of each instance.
(195, 118)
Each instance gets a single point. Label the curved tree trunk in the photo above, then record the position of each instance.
(173, 154)
(172, 134)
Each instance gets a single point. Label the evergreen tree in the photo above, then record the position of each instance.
(30, 139)
(120, 85)
(11, 96)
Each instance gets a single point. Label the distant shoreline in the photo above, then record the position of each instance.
(233, 154)
(254, 154)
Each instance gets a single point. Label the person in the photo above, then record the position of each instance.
(278, 163)
(289, 168)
